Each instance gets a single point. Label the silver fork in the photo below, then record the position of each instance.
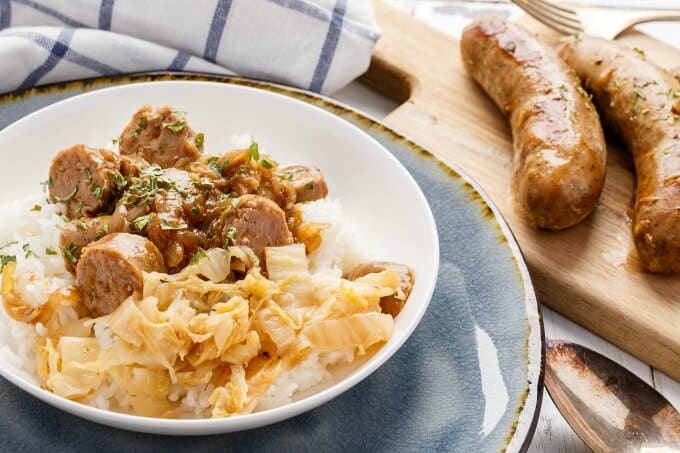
(598, 21)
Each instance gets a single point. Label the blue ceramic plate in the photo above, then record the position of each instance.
(468, 379)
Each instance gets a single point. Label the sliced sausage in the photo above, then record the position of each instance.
(308, 182)
(79, 233)
(559, 147)
(86, 180)
(389, 304)
(161, 137)
(110, 270)
(254, 221)
(641, 103)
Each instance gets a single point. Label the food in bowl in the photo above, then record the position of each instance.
(164, 282)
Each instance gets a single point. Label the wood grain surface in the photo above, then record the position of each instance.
(590, 272)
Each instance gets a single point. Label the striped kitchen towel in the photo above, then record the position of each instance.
(320, 45)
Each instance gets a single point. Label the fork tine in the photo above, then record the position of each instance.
(553, 10)
(557, 7)
(548, 20)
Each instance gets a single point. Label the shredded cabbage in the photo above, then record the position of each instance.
(217, 328)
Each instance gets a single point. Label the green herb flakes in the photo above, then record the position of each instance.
(68, 252)
(199, 140)
(141, 222)
(198, 256)
(254, 151)
(97, 190)
(266, 164)
(36, 208)
(4, 259)
(50, 251)
(175, 127)
(27, 249)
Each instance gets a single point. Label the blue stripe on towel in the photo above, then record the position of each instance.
(105, 13)
(316, 12)
(179, 62)
(57, 52)
(216, 29)
(70, 55)
(5, 13)
(52, 12)
(329, 46)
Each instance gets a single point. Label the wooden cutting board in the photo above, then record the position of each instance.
(590, 272)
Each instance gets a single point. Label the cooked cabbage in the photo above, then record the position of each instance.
(204, 340)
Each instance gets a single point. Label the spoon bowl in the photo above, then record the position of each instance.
(609, 408)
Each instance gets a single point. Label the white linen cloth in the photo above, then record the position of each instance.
(319, 45)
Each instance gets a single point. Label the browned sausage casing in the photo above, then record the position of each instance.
(559, 147)
(641, 102)
(110, 270)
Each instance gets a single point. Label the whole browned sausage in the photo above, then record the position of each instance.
(110, 270)
(86, 180)
(641, 102)
(559, 147)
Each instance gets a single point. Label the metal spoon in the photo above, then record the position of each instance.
(608, 407)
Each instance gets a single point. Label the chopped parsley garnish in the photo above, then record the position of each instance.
(88, 172)
(97, 190)
(141, 222)
(175, 127)
(80, 224)
(165, 225)
(163, 147)
(309, 185)
(510, 46)
(577, 36)
(67, 197)
(134, 133)
(199, 140)
(639, 51)
(198, 256)
(180, 112)
(68, 251)
(231, 233)
(196, 211)
(142, 123)
(4, 259)
(79, 207)
(27, 248)
(639, 93)
(254, 151)
(266, 164)
(36, 208)
(115, 140)
(50, 251)
(120, 181)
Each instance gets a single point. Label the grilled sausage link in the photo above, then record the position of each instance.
(559, 148)
(641, 103)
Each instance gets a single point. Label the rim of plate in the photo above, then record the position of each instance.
(257, 419)
(522, 430)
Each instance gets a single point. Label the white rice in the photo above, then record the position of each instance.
(38, 274)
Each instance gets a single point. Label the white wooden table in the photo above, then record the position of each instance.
(553, 434)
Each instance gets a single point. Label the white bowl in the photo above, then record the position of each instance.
(375, 189)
